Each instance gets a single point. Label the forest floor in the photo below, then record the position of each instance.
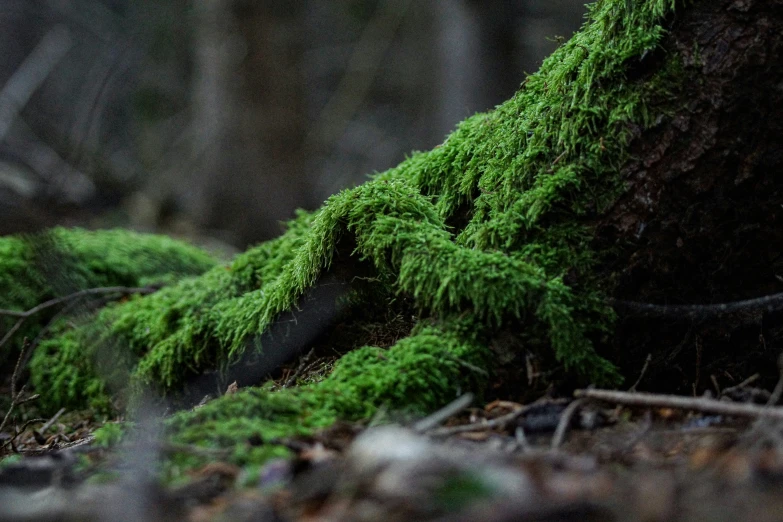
(603, 456)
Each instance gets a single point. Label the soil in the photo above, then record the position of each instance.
(555, 459)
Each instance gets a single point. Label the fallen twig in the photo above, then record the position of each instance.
(17, 398)
(58, 300)
(51, 421)
(641, 374)
(753, 378)
(60, 447)
(19, 431)
(701, 404)
(565, 420)
(499, 422)
(89, 291)
(434, 419)
(299, 370)
(467, 365)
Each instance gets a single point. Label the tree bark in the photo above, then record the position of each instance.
(701, 216)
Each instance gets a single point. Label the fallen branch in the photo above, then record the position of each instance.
(81, 293)
(750, 380)
(17, 432)
(17, 398)
(60, 447)
(51, 421)
(700, 404)
(58, 300)
(484, 425)
(431, 421)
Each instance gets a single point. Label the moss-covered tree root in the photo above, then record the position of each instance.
(489, 230)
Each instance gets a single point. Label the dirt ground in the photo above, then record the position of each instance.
(604, 456)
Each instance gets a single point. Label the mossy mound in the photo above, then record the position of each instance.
(480, 234)
(417, 374)
(39, 267)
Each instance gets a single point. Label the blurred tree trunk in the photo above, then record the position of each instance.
(227, 115)
(248, 116)
(485, 48)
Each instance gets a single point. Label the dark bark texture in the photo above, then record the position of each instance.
(701, 221)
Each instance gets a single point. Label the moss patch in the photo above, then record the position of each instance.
(480, 233)
(59, 262)
(419, 373)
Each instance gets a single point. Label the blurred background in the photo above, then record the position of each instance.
(217, 118)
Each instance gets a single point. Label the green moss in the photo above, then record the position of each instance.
(39, 267)
(477, 234)
(171, 334)
(110, 434)
(463, 489)
(11, 460)
(418, 374)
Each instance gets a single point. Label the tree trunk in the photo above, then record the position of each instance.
(700, 218)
